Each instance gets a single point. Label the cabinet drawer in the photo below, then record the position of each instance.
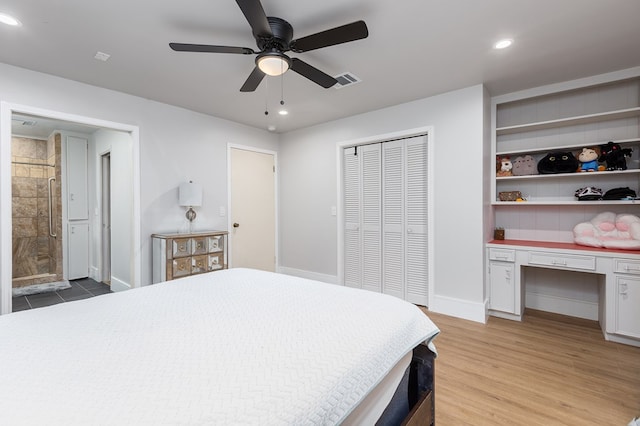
(216, 261)
(199, 245)
(180, 247)
(216, 243)
(626, 266)
(199, 264)
(505, 255)
(569, 261)
(181, 267)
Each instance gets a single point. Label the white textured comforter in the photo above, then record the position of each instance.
(230, 347)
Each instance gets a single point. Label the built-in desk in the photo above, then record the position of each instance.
(618, 271)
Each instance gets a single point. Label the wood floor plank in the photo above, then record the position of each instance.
(548, 369)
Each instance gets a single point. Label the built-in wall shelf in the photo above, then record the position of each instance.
(567, 203)
(570, 121)
(580, 175)
(574, 147)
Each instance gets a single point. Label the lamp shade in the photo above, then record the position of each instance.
(190, 194)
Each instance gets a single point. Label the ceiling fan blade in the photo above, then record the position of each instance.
(185, 47)
(312, 73)
(253, 11)
(338, 35)
(253, 81)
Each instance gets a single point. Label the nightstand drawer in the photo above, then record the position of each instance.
(199, 245)
(181, 247)
(569, 261)
(504, 255)
(216, 243)
(199, 264)
(181, 267)
(216, 261)
(626, 266)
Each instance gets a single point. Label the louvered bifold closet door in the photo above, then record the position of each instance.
(371, 217)
(352, 217)
(416, 192)
(393, 267)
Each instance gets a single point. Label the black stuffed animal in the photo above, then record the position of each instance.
(614, 155)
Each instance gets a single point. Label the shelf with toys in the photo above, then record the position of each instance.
(548, 144)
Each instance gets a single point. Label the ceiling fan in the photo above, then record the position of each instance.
(274, 37)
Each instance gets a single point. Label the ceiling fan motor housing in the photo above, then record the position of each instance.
(282, 35)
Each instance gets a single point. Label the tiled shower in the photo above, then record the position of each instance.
(36, 211)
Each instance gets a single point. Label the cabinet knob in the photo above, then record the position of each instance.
(236, 224)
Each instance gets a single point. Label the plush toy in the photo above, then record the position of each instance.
(558, 162)
(523, 166)
(588, 159)
(505, 166)
(609, 230)
(614, 155)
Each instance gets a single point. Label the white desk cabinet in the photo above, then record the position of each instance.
(627, 318)
(501, 279)
(619, 271)
(181, 255)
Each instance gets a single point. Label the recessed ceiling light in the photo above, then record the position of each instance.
(283, 112)
(9, 20)
(503, 44)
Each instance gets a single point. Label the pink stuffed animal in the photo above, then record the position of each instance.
(610, 231)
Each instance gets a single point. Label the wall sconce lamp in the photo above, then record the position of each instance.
(190, 195)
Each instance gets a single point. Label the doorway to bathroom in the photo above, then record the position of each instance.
(38, 232)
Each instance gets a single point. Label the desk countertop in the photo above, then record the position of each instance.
(560, 246)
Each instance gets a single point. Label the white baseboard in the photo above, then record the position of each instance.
(119, 285)
(94, 273)
(330, 279)
(562, 305)
(459, 308)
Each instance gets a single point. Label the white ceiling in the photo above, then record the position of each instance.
(416, 49)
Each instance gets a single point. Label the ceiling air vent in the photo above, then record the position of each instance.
(28, 123)
(346, 79)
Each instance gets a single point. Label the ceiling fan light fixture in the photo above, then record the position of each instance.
(273, 63)
(9, 20)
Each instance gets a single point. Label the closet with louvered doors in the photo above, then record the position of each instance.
(385, 218)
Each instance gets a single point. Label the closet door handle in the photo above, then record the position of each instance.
(236, 224)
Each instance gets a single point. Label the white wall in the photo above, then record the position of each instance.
(175, 145)
(308, 190)
(119, 145)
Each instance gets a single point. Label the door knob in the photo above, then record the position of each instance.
(236, 224)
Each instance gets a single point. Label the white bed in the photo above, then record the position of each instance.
(238, 346)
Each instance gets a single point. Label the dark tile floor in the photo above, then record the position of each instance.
(80, 289)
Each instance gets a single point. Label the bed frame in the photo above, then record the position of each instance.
(413, 403)
(421, 388)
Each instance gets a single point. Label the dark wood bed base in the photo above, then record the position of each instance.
(421, 388)
(413, 402)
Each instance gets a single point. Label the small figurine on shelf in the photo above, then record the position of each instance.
(614, 155)
(588, 160)
(498, 233)
(504, 166)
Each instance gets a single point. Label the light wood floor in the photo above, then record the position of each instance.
(546, 370)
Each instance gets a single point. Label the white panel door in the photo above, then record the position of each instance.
(371, 217)
(253, 210)
(352, 218)
(76, 165)
(393, 184)
(416, 196)
(78, 250)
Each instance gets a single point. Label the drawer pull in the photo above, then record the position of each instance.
(502, 257)
(559, 263)
(627, 268)
(182, 248)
